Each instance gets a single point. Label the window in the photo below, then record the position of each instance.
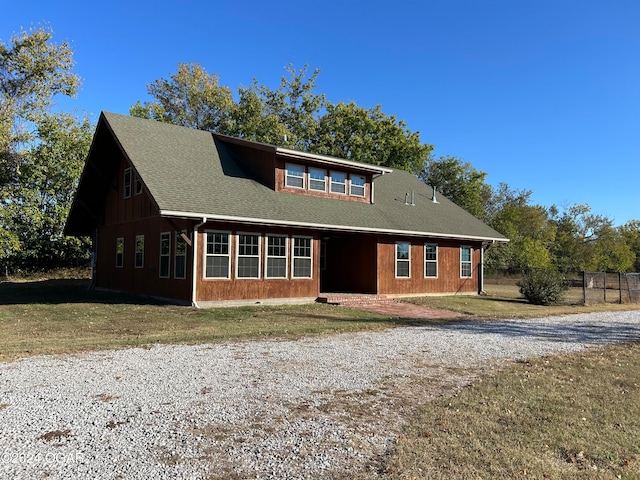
(217, 263)
(127, 183)
(403, 260)
(465, 262)
(165, 255)
(276, 257)
(137, 185)
(294, 176)
(301, 257)
(139, 262)
(119, 252)
(180, 260)
(430, 260)
(248, 262)
(338, 182)
(317, 179)
(357, 185)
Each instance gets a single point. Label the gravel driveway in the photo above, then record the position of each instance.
(321, 407)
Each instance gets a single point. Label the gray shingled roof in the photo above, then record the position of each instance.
(192, 172)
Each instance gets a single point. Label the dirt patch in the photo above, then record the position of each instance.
(409, 310)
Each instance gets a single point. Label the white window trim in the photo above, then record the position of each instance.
(136, 182)
(127, 188)
(204, 251)
(286, 176)
(470, 262)
(426, 261)
(324, 181)
(237, 255)
(363, 186)
(167, 255)
(135, 252)
(293, 257)
(122, 260)
(176, 255)
(331, 182)
(267, 256)
(396, 260)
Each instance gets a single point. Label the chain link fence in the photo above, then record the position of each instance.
(602, 287)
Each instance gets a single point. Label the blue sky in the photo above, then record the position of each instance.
(544, 95)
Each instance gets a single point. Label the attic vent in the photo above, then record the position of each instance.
(434, 199)
(406, 199)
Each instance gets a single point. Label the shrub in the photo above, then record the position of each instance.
(543, 286)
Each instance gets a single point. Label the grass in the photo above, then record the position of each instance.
(561, 417)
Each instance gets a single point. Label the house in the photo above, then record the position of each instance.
(202, 218)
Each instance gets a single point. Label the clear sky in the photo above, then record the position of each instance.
(544, 95)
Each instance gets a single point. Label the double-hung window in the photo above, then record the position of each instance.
(357, 185)
(119, 252)
(165, 255)
(338, 182)
(317, 179)
(301, 257)
(276, 256)
(465, 262)
(248, 262)
(217, 262)
(430, 260)
(139, 257)
(294, 176)
(180, 260)
(403, 260)
(126, 183)
(137, 185)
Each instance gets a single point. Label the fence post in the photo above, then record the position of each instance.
(604, 283)
(584, 288)
(620, 287)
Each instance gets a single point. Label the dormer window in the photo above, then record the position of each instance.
(127, 183)
(357, 185)
(338, 182)
(294, 176)
(317, 179)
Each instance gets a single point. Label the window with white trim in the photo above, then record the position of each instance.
(217, 255)
(126, 183)
(165, 255)
(357, 183)
(139, 256)
(403, 260)
(137, 185)
(301, 257)
(119, 252)
(276, 259)
(465, 262)
(338, 182)
(431, 260)
(317, 179)
(248, 256)
(294, 176)
(180, 258)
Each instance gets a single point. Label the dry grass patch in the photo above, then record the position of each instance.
(561, 417)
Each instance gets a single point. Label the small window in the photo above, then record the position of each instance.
(294, 176)
(217, 263)
(465, 262)
(180, 260)
(137, 185)
(139, 261)
(119, 252)
(276, 256)
(301, 257)
(248, 262)
(357, 185)
(165, 255)
(127, 183)
(338, 182)
(403, 260)
(431, 260)
(317, 179)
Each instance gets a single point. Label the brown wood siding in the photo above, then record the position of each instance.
(258, 163)
(448, 280)
(255, 289)
(120, 210)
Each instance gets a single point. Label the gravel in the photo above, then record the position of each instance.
(320, 407)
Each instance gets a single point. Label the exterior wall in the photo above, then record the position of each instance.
(280, 182)
(449, 279)
(260, 163)
(236, 288)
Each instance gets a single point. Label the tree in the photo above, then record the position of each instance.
(459, 182)
(630, 232)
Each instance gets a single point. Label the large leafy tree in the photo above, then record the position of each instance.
(630, 232)
(40, 152)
